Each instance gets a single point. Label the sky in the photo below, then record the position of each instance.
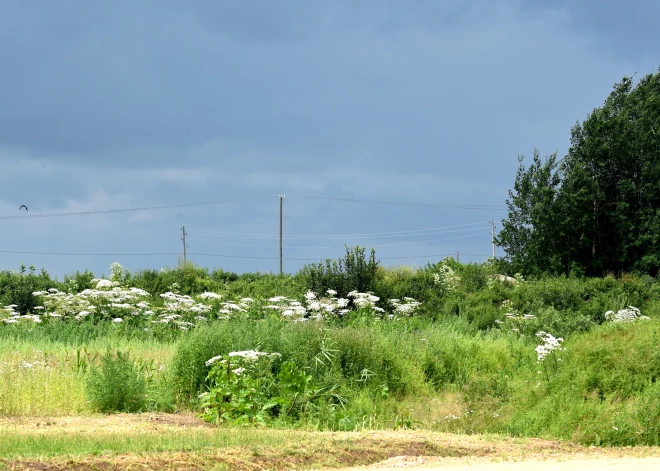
(389, 124)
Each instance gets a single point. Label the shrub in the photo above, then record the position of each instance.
(16, 288)
(352, 273)
(116, 385)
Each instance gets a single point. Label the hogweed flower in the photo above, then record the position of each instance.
(550, 344)
(631, 314)
(447, 278)
(210, 361)
(548, 350)
(253, 355)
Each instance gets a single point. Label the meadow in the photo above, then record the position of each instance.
(341, 346)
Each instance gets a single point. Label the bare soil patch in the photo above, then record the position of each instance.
(374, 450)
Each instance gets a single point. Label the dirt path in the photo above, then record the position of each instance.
(156, 441)
(553, 464)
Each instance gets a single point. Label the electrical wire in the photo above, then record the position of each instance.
(127, 210)
(144, 254)
(340, 236)
(341, 248)
(428, 256)
(259, 246)
(392, 203)
(133, 254)
(432, 240)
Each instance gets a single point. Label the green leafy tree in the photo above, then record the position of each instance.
(612, 181)
(598, 210)
(530, 233)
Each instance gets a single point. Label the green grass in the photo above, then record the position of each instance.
(42, 377)
(459, 365)
(103, 443)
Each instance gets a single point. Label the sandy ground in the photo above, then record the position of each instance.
(566, 463)
(370, 450)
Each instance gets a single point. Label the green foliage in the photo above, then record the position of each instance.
(117, 385)
(604, 392)
(353, 272)
(17, 287)
(78, 282)
(246, 390)
(240, 391)
(596, 211)
(530, 234)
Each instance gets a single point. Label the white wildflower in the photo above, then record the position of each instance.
(631, 314)
(550, 344)
(252, 355)
(104, 284)
(210, 361)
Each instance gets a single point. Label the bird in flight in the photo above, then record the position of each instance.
(22, 206)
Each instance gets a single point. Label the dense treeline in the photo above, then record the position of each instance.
(598, 209)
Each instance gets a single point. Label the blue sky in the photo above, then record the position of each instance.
(125, 104)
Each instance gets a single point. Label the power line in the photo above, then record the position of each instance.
(392, 203)
(371, 245)
(142, 254)
(128, 210)
(432, 240)
(208, 203)
(75, 254)
(344, 236)
(134, 254)
(261, 246)
(428, 256)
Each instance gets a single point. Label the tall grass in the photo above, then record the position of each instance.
(40, 376)
(465, 362)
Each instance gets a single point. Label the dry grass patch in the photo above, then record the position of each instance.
(182, 441)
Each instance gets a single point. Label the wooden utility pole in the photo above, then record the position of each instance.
(183, 238)
(281, 201)
(492, 235)
(458, 259)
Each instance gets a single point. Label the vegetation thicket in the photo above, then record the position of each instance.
(556, 339)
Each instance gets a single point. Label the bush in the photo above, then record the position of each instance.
(17, 288)
(116, 385)
(353, 272)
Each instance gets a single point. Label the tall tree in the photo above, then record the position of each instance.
(598, 210)
(611, 177)
(529, 234)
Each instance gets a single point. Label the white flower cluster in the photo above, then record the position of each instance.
(253, 355)
(447, 278)
(116, 271)
(110, 300)
(550, 344)
(405, 308)
(246, 355)
(511, 313)
(505, 280)
(330, 305)
(180, 306)
(365, 300)
(8, 315)
(313, 307)
(290, 309)
(631, 314)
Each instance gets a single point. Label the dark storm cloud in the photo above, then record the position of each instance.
(122, 104)
(626, 30)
